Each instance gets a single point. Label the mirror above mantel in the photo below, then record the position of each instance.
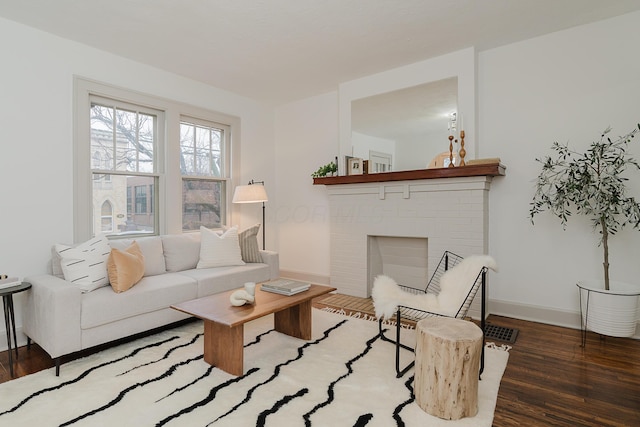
(405, 112)
(408, 124)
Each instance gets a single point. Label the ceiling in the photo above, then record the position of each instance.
(278, 51)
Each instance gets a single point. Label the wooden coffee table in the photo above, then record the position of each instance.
(224, 323)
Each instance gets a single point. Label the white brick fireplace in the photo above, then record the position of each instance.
(433, 215)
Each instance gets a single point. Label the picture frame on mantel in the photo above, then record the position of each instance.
(355, 166)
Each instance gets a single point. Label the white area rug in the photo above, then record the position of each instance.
(344, 377)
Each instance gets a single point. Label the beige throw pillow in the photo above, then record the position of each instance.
(249, 244)
(125, 268)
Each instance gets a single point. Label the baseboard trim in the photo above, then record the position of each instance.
(534, 313)
(22, 339)
(306, 277)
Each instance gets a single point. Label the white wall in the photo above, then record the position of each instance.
(36, 129)
(307, 138)
(566, 86)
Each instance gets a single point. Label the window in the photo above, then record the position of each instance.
(203, 165)
(155, 185)
(141, 199)
(123, 144)
(106, 217)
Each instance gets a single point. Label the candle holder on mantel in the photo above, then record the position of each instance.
(451, 151)
(462, 151)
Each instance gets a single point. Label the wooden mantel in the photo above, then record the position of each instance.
(488, 169)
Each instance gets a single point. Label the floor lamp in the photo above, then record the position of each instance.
(252, 193)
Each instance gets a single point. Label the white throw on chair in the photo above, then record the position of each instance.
(449, 293)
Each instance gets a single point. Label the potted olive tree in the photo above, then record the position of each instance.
(593, 184)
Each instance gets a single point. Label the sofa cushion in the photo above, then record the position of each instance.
(219, 249)
(151, 248)
(181, 251)
(220, 279)
(125, 268)
(85, 265)
(150, 294)
(249, 244)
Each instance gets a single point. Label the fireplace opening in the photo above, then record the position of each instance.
(404, 259)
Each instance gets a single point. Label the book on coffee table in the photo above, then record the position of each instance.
(285, 286)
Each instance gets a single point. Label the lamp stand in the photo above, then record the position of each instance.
(263, 227)
(263, 209)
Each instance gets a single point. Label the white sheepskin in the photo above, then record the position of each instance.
(454, 287)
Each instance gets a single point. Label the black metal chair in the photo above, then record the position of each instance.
(448, 260)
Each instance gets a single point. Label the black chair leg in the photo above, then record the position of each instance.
(57, 366)
(398, 344)
(482, 319)
(399, 372)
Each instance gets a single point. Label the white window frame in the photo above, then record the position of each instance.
(168, 154)
(226, 158)
(109, 168)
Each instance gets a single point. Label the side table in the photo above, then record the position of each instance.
(448, 355)
(9, 317)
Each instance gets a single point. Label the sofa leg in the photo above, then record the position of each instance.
(57, 366)
(28, 343)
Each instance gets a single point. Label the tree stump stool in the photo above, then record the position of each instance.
(447, 367)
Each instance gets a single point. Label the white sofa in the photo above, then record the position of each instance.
(63, 319)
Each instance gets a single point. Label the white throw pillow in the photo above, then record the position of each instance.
(219, 250)
(85, 265)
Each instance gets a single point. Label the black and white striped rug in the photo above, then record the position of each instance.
(344, 377)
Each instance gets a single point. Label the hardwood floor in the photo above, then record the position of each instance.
(550, 379)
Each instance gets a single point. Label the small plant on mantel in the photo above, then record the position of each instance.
(593, 183)
(328, 169)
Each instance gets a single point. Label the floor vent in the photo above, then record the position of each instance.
(500, 333)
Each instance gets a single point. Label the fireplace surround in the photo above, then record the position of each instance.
(409, 219)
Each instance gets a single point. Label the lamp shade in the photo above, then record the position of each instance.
(250, 194)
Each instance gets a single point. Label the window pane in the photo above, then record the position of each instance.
(129, 198)
(200, 152)
(186, 149)
(203, 151)
(124, 136)
(126, 141)
(101, 137)
(201, 203)
(146, 128)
